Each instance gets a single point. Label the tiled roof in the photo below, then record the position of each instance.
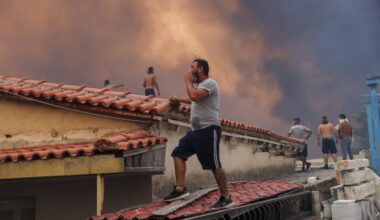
(103, 97)
(241, 192)
(106, 98)
(120, 142)
(246, 127)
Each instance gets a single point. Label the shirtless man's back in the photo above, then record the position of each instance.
(150, 83)
(328, 145)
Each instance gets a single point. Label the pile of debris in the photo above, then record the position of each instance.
(358, 194)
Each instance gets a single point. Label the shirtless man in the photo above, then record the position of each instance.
(150, 82)
(328, 144)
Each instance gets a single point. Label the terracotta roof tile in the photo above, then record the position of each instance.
(104, 97)
(241, 193)
(118, 142)
(245, 127)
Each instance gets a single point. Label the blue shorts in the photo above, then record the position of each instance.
(204, 143)
(149, 92)
(328, 146)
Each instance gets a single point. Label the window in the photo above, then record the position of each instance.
(17, 208)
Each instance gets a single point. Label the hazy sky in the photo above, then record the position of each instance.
(273, 60)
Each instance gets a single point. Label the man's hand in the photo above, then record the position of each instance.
(336, 141)
(158, 92)
(189, 76)
(319, 144)
(174, 100)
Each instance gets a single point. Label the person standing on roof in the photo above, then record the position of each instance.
(328, 145)
(301, 132)
(106, 83)
(204, 137)
(345, 134)
(150, 83)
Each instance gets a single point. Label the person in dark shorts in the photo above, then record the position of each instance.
(327, 130)
(150, 83)
(204, 137)
(301, 132)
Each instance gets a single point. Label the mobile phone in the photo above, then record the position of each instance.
(196, 75)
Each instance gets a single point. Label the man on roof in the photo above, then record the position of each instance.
(301, 132)
(150, 83)
(204, 137)
(327, 130)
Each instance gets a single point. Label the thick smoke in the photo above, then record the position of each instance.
(273, 60)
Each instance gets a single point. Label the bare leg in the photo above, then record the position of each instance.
(180, 169)
(326, 157)
(221, 180)
(334, 157)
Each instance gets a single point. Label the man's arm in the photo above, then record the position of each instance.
(193, 93)
(144, 83)
(309, 132)
(176, 101)
(319, 135)
(290, 132)
(156, 84)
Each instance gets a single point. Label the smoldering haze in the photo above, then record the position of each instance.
(273, 60)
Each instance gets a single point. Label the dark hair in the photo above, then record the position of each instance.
(150, 69)
(324, 120)
(297, 119)
(202, 63)
(342, 116)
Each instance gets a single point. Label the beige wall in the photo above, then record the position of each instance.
(239, 158)
(31, 124)
(74, 198)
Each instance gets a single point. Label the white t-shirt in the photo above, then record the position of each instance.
(205, 112)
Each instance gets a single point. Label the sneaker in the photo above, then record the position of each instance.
(223, 203)
(176, 194)
(326, 166)
(308, 166)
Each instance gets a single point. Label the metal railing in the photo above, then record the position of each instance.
(290, 207)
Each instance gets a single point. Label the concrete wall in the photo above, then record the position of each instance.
(26, 123)
(30, 123)
(75, 197)
(240, 158)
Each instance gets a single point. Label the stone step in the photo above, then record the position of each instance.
(351, 164)
(359, 192)
(352, 177)
(337, 192)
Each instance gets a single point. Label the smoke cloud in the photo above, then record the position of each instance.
(273, 60)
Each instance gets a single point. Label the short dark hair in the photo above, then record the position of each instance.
(324, 120)
(342, 116)
(150, 69)
(297, 119)
(202, 63)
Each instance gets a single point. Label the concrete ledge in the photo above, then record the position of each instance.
(351, 164)
(337, 192)
(352, 177)
(359, 192)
